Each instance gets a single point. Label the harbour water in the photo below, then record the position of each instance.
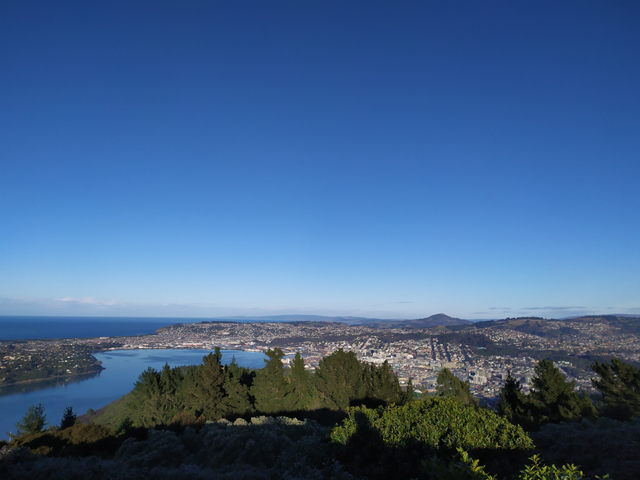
(122, 368)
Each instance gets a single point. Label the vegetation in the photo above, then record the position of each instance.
(58, 360)
(619, 385)
(177, 426)
(450, 386)
(33, 422)
(68, 418)
(387, 441)
(217, 391)
(552, 399)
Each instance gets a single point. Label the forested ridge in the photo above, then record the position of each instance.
(347, 419)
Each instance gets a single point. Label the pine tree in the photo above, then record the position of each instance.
(302, 392)
(68, 418)
(382, 385)
(450, 386)
(146, 402)
(209, 391)
(619, 385)
(33, 422)
(269, 387)
(409, 393)
(237, 401)
(513, 403)
(553, 399)
(170, 381)
(339, 380)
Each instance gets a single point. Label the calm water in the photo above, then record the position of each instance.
(26, 328)
(122, 368)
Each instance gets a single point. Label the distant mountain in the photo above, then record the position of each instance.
(437, 320)
(303, 318)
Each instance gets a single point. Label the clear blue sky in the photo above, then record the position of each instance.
(386, 159)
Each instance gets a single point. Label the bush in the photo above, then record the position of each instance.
(433, 423)
(391, 441)
(78, 440)
(600, 447)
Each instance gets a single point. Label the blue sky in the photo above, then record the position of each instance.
(384, 159)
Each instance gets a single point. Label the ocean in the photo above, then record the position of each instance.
(31, 328)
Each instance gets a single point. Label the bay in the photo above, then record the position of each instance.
(122, 368)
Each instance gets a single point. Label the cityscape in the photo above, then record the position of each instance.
(481, 354)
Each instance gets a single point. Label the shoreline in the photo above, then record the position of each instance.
(35, 380)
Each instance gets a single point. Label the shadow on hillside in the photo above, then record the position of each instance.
(294, 444)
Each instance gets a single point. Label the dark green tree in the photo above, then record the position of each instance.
(553, 399)
(209, 392)
(68, 418)
(237, 401)
(450, 386)
(146, 400)
(409, 393)
(32, 422)
(619, 385)
(339, 380)
(270, 387)
(302, 393)
(382, 385)
(513, 403)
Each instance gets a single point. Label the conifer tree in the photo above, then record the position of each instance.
(68, 418)
(237, 401)
(409, 393)
(32, 422)
(209, 391)
(619, 385)
(146, 402)
(513, 403)
(302, 393)
(269, 387)
(450, 386)
(382, 385)
(170, 381)
(553, 399)
(339, 380)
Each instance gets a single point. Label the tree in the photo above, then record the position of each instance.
(33, 422)
(269, 387)
(513, 403)
(146, 401)
(302, 393)
(382, 385)
(209, 390)
(619, 384)
(339, 380)
(450, 386)
(553, 399)
(68, 418)
(409, 393)
(237, 401)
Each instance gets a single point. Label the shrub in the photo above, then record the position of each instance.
(390, 441)
(434, 423)
(78, 440)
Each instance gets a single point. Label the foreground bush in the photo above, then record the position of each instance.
(600, 447)
(78, 440)
(463, 467)
(433, 423)
(390, 441)
(264, 448)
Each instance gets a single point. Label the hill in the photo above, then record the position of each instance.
(437, 320)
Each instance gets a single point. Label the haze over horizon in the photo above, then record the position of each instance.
(386, 160)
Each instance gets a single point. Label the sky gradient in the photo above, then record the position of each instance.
(383, 159)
